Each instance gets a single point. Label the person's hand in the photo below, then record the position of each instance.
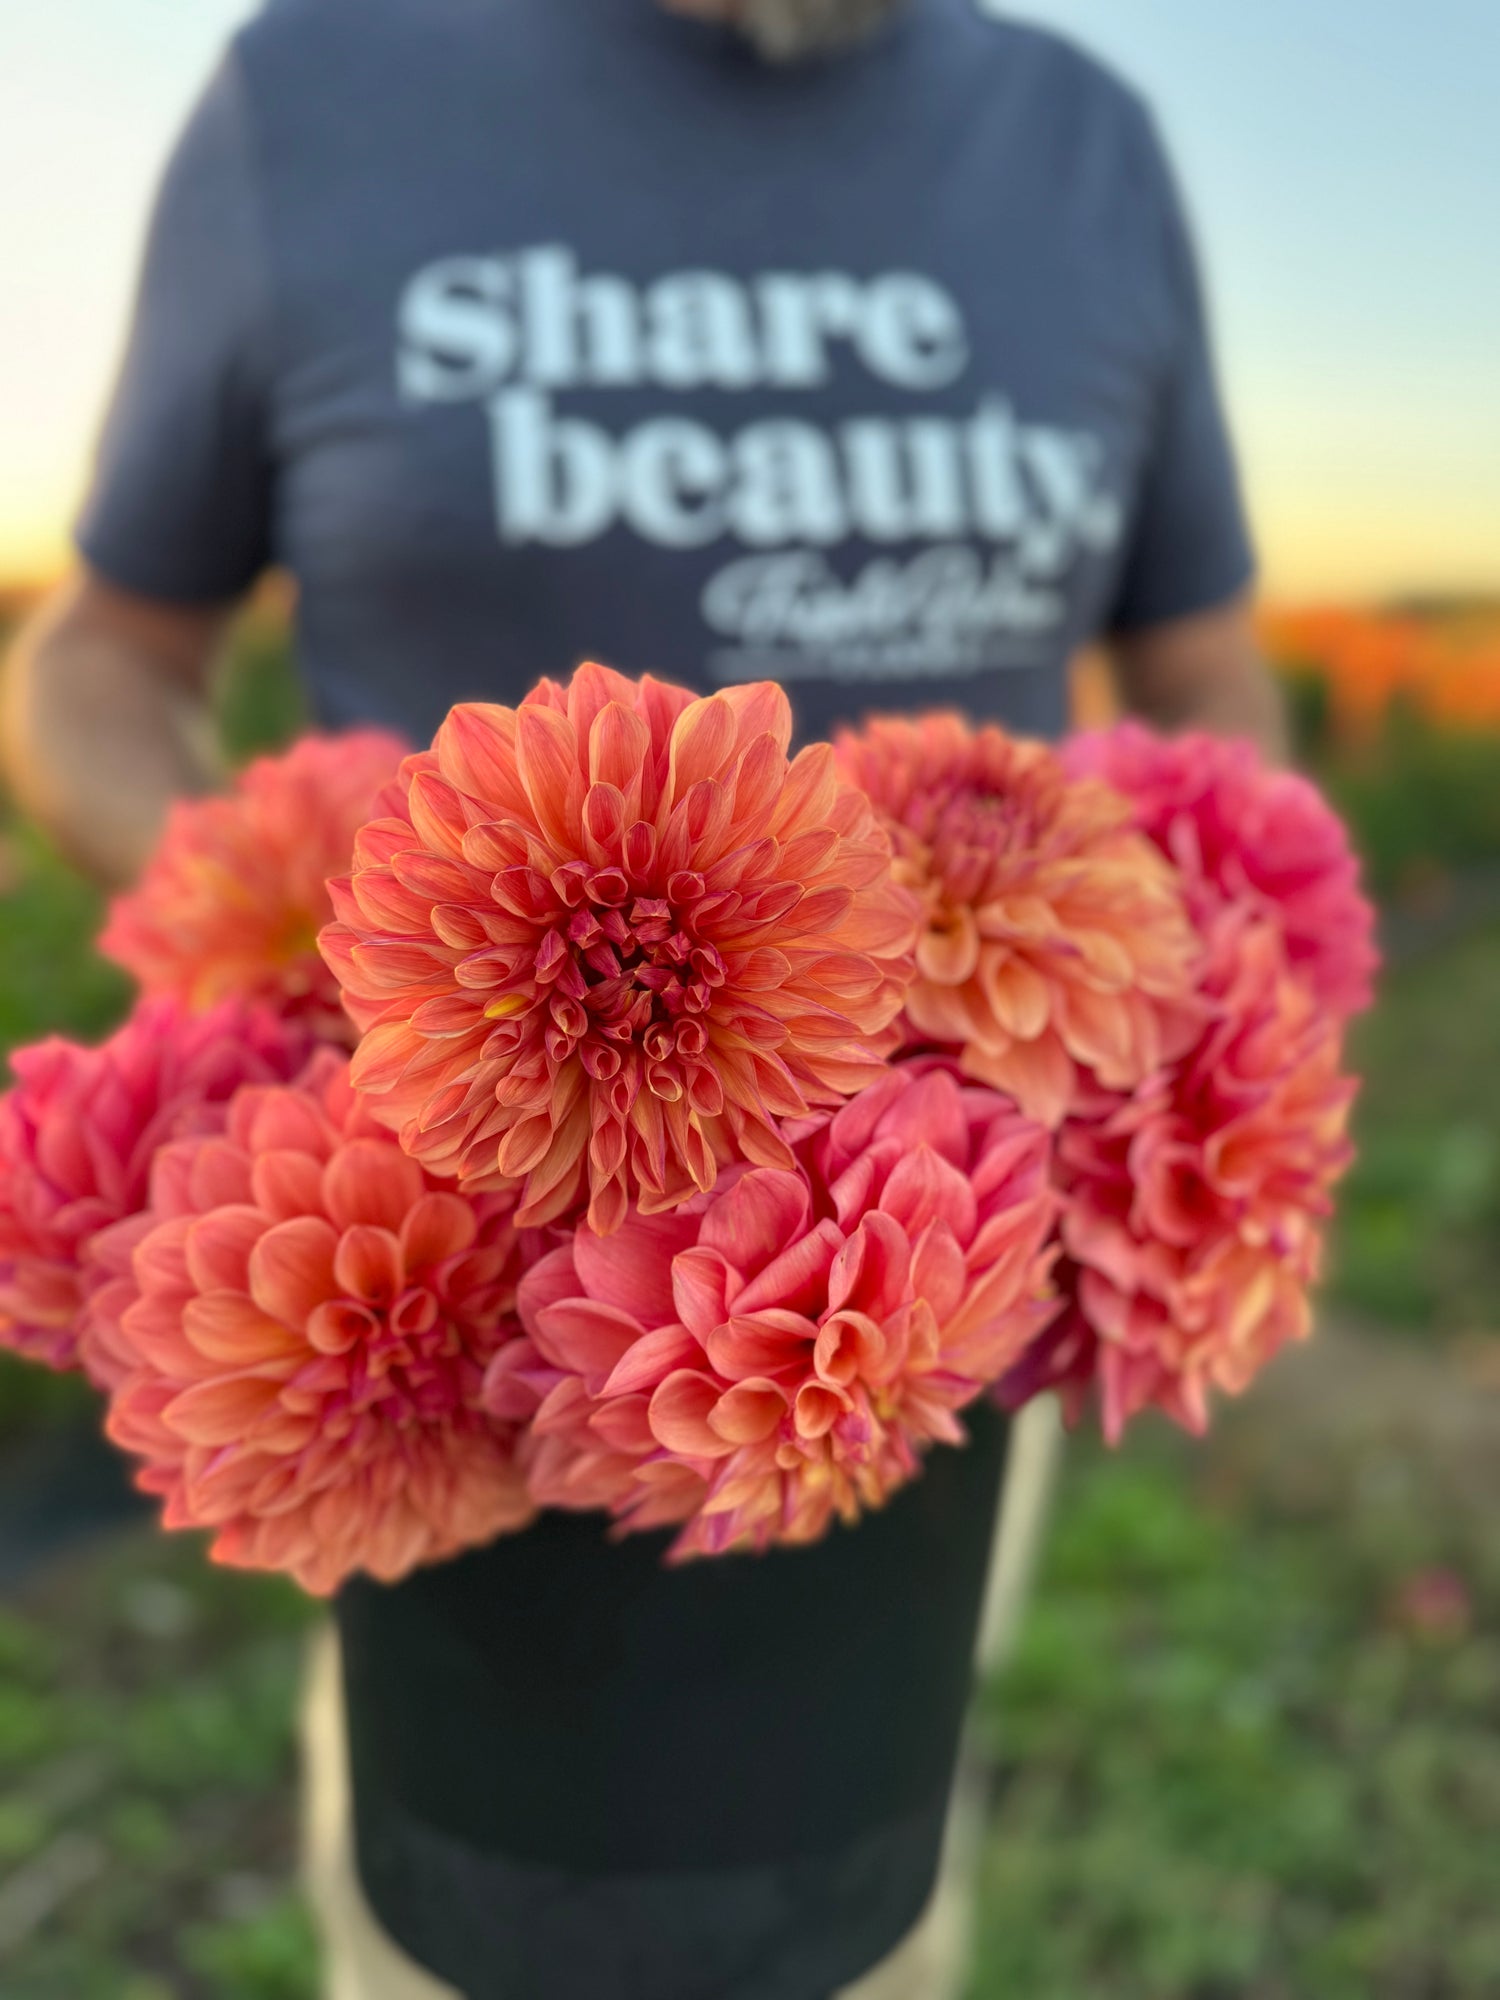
(1203, 672)
(104, 719)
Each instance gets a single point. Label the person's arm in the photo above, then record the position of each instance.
(105, 718)
(1203, 671)
(104, 712)
(1180, 634)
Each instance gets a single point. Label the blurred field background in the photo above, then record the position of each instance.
(1249, 1748)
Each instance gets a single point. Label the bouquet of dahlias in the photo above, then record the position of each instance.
(607, 1109)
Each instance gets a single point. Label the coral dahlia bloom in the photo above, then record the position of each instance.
(1195, 1208)
(1244, 835)
(232, 901)
(309, 1334)
(78, 1132)
(606, 940)
(1056, 936)
(782, 1350)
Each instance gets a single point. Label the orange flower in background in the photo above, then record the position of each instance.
(1056, 936)
(1445, 665)
(306, 1338)
(232, 902)
(606, 940)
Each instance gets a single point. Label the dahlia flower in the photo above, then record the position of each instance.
(78, 1132)
(605, 941)
(1056, 937)
(1242, 834)
(783, 1349)
(311, 1323)
(1195, 1208)
(232, 902)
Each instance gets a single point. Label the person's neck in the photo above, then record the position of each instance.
(789, 30)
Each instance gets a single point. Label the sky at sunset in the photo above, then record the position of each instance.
(1342, 160)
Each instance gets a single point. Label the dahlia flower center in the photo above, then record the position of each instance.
(401, 1360)
(989, 822)
(619, 972)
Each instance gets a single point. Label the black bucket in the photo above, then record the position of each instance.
(582, 1775)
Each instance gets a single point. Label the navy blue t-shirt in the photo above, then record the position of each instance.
(522, 331)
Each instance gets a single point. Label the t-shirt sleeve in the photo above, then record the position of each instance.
(180, 505)
(1189, 545)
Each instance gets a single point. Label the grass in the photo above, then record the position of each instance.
(1242, 1761)
(146, 1813)
(1418, 1241)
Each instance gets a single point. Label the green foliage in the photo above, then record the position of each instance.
(270, 1955)
(147, 1703)
(1228, 1770)
(1418, 1236)
(1421, 800)
(260, 698)
(53, 980)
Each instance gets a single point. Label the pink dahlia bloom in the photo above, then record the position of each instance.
(1195, 1208)
(1056, 937)
(1244, 835)
(310, 1328)
(607, 940)
(782, 1350)
(78, 1132)
(233, 900)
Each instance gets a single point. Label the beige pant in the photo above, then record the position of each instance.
(363, 1963)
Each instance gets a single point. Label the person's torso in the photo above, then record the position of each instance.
(598, 337)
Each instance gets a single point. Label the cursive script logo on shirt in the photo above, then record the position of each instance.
(1006, 508)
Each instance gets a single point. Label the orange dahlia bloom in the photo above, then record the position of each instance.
(233, 899)
(606, 940)
(310, 1325)
(781, 1352)
(1056, 936)
(1195, 1209)
(79, 1130)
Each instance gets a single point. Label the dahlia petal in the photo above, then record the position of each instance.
(619, 746)
(634, 1267)
(797, 1277)
(220, 1175)
(284, 1183)
(221, 1411)
(748, 1412)
(651, 1359)
(758, 1215)
(703, 1282)
(749, 1346)
(226, 1326)
(548, 765)
(585, 1337)
(950, 955)
(924, 1188)
(436, 1227)
(292, 1268)
(216, 1250)
(680, 1411)
(871, 1272)
(367, 1264)
(365, 1182)
(339, 1324)
(702, 742)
